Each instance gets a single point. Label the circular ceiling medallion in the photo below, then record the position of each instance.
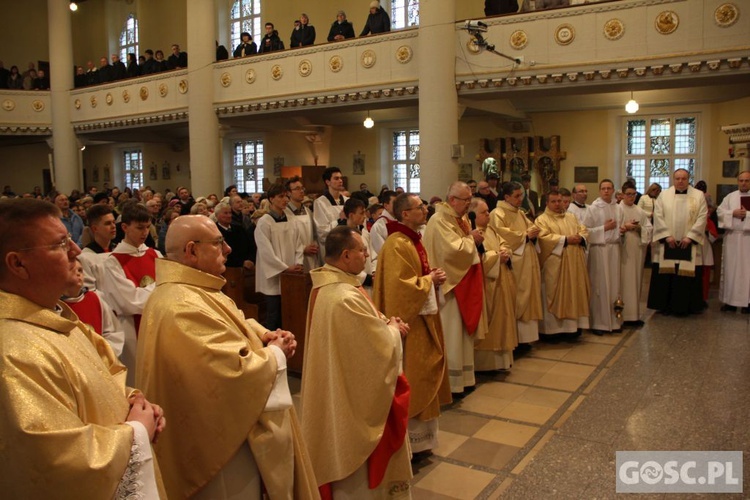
(518, 39)
(667, 22)
(126, 96)
(182, 86)
(163, 89)
(144, 93)
(335, 63)
(305, 67)
(93, 101)
(565, 34)
(276, 72)
(404, 54)
(37, 105)
(250, 76)
(368, 58)
(108, 99)
(614, 29)
(726, 15)
(225, 79)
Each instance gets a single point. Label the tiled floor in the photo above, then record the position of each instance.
(551, 425)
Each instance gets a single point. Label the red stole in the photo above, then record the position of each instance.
(470, 291)
(394, 226)
(141, 271)
(89, 311)
(394, 431)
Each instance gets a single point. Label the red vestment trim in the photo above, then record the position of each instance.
(89, 311)
(416, 238)
(469, 295)
(136, 269)
(394, 433)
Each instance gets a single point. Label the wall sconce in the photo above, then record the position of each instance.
(632, 106)
(368, 123)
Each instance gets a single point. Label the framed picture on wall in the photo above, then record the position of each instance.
(152, 172)
(465, 171)
(165, 170)
(95, 174)
(358, 164)
(724, 189)
(586, 175)
(106, 173)
(730, 168)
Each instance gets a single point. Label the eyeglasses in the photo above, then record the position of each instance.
(418, 207)
(465, 200)
(630, 194)
(64, 244)
(217, 242)
(298, 188)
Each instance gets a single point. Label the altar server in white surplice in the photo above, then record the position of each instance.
(735, 272)
(302, 218)
(603, 220)
(636, 231)
(278, 251)
(328, 208)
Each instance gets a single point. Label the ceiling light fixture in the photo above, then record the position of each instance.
(368, 123)
(73, 6)
(632, 106)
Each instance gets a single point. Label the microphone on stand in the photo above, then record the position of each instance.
(473, 220)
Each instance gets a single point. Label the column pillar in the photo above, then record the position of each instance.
(205, 145)
(438, 100)
(67, 169)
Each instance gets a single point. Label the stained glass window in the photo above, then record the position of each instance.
(406, 170)
(132, 163)
(248, 166)
(129, 39)
(404, 13)
(245, 16)
(672, 143)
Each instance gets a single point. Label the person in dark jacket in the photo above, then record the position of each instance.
(119, 71)
(496, 7)
(133, 68)
(304, 34)
(246, 47)
(378, 20)
(271, 41)
(341, 29)
(222, 54)
(178, 59)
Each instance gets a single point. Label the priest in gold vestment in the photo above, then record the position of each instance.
(236, 426)
(69, 428)
(355, 400)
(518, 234)
(565, 285)
(405, 287)
(451, 245)
(495, 352)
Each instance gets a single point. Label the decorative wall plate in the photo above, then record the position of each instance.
(614, 29)
(305, 67)
(163, 89)
(473, 46)
(93, 101)
(726, 15)
(250, 76)
(126, 96)
(182, 86)
(9, 105)
(368, 58)
(518, 39)
(225, 79)
(37, 105)
(108, 99)
(667, 22)
(404, 54)
(335, 63)
(276, 72)
(144, 93)
(565, 34)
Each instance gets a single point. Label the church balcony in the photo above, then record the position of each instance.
(25, 113)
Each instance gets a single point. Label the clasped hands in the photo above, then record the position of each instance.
(282, 339)
(574, 239)
(438, 276)
(148, 414)
(403, 327)
(683, 243)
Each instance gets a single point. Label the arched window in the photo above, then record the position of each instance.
(404, 13)
(245, 16)
(129, 39)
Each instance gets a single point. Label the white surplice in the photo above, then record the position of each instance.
(326, 217)
(305, 229)
(735, 271)
(278, 250)
(632, 259)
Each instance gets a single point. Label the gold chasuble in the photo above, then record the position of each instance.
(63, 406)
(564, 266)
(202, 361)
(401, 289)
(510, 224)
(349, 378)
(500, 292)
